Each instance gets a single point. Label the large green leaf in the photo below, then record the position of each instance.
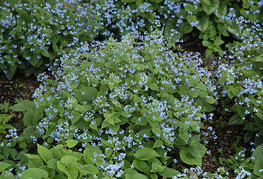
(23, 106)
(169, 172)
(34, 161)
(197, 150)
(67, 164)
(221, 11)
(31, 117)
(34, 173)
(141, 165)
(71, 143)
(235, 120)
(4, 166)
(203, 22)
(189, 159)
(258, 155)
(133, 174)
(154, 87)
(209, 9)
(44, 153)
(91, 154)
(146, 153)
(172, 33)
(88, 169)
(85, 93)
(258, 167)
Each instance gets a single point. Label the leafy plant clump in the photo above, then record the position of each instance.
(133, 113)
(34, 33)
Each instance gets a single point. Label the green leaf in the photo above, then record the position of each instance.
(187, 28)
(201, 86)
(221, 11)
(154, 87)
(187, 158)
(67, 164)
(84, 65)
(85, 93)
(258, 167)
(141, 165)
(133, 174)
(211, 100)
(258, 155)
(207, 2)
(172, 33)
(169, 172)
(23, 106)
(34, 161)
(88, 169)
(158, 143)
(71, 143)
(45, 53)
(203, 23)
(157, 167)
(260, 115)
(91, 154)
(197, 150)
(75, 116)
(111, 64)
(26, 17)
(52, 164)
(145, 154)
(209, 9)
(191, 18)
(235, 120)
(35, 173)
(218, 41)
(4, 166)
(44, 153)
(31, 117)
(184, 136)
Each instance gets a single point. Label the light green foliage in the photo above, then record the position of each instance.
(131, 107)
(34, 33)
(142, 102)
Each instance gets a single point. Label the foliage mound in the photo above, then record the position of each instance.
(131, 107)
(34, 33)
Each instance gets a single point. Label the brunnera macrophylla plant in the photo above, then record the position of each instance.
(242, 90)
(135, 107)
(242, 95)
(34, 33)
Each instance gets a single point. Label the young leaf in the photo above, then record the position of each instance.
(145, 154)
(71, 143)
(187, 158)
(197, 150)
(34, 161)
(154, 87)
(44, 153)
(203, 23)
(209, 9)
(221, 11)
(141, 165)
(35, 173)
(67, 164)
(171, 33)
(4, 166)
(169, 172)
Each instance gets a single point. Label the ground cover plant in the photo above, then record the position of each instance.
(120, 100)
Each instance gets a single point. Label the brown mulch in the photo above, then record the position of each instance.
(19, 87)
